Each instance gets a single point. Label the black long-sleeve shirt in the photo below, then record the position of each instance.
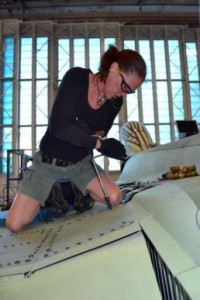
(73, 121)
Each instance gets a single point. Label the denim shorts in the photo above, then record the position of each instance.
(40, 177)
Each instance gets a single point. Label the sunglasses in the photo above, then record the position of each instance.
(124, 86)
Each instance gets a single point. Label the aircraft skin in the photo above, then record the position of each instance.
(146, 248)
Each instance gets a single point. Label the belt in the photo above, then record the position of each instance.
(56, 161)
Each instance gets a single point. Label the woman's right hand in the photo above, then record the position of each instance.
(112, 148)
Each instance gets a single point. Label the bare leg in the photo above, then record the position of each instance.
(113, 191)
(22, 212)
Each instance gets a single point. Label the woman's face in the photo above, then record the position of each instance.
(119, 84)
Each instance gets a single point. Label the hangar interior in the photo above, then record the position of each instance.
(39, 42)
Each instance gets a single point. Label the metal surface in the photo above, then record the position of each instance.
(103, 254)
(45, 244)
(170, 287)
(120, 270)
(39, 4)
(144, 10)
(151, 164)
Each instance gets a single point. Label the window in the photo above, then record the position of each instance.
(193, 79)
(6, 100)
(170, 92)
(79, 53)
(33, 106)
(161, 99)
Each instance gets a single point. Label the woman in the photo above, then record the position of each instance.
(83, 112)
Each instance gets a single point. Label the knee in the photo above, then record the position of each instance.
(115, 197)
(14, 226)
(21, 212)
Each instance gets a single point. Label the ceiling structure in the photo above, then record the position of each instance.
(184, 12)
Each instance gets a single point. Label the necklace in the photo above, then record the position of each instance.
(101, 99)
